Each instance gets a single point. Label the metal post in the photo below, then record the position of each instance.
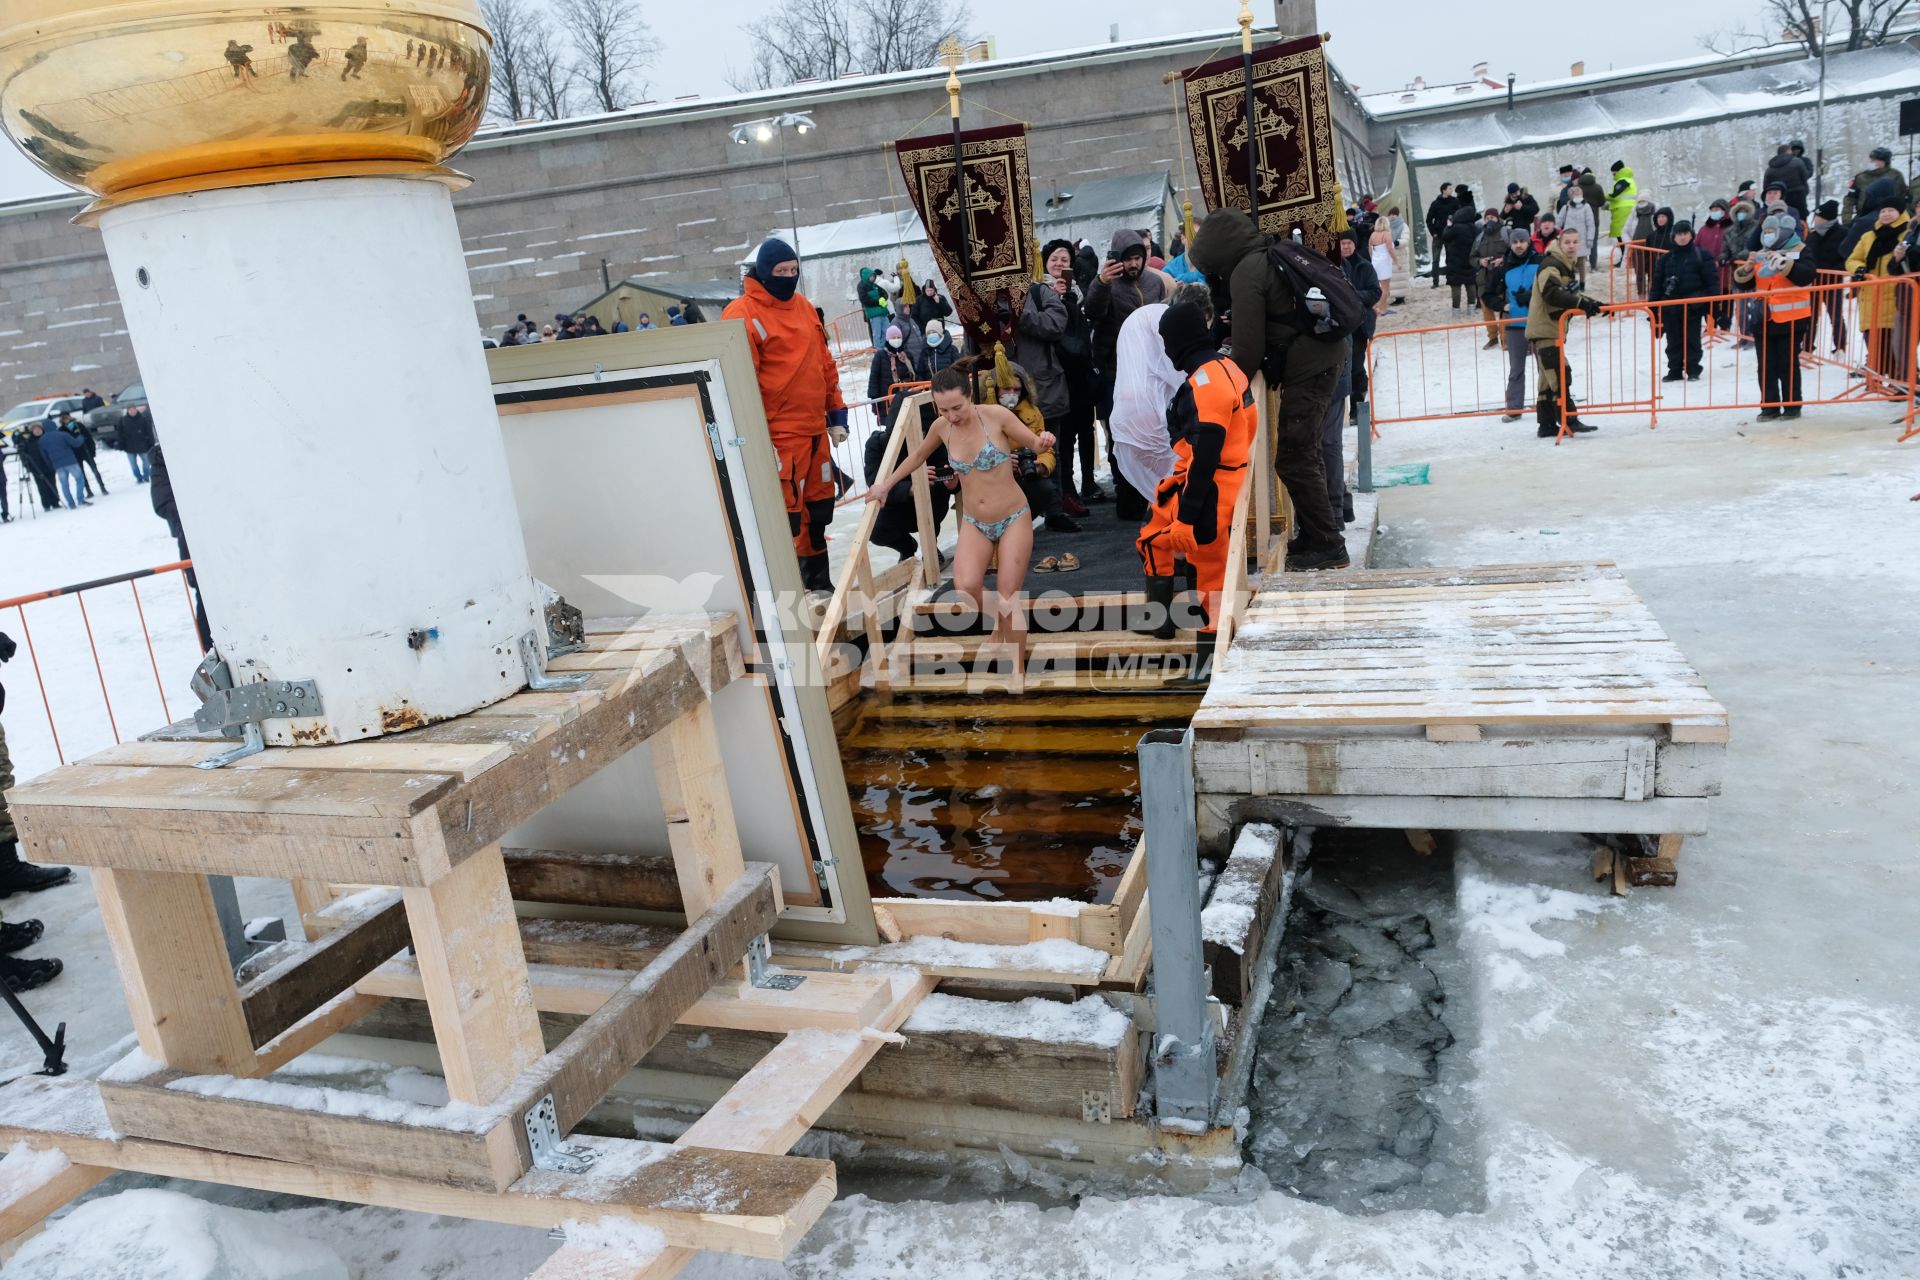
(793, 212)
(1363, 444)
(1184, 1080)
(1820, 112)
(233, 929)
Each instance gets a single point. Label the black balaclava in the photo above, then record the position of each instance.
(772, 254)
(1186, 336)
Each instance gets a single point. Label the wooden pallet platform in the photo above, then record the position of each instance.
(418, 817)
(1521, 697)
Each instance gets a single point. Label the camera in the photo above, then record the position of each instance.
(1025, 464)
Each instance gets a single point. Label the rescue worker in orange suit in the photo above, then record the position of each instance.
(1211, 422)
(800, 389)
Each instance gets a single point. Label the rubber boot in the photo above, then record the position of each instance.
(1202, 671)
(1156, 618)
(815, 574)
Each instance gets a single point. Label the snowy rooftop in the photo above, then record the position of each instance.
(1862, 74)
(1418, 98)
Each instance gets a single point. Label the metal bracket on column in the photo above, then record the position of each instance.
(534, 654)
(760, 968)
(566, 625)
(1184, 1078)
(225, 706)
(549, 1149)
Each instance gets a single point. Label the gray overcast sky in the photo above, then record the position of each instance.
(1378, 44)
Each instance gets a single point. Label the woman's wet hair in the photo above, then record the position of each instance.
(951, 378)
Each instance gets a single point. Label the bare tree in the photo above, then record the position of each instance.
(551, 75)
(827, 39)
(610, 42)
(513, 24)
(1865, 22)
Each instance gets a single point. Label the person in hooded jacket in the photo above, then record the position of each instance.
(1057, 322)
(1686, 271)
(892, 366)
(1489, 251)
(1439, 213)
(1794, 173)
(1779, 271)
(1462, 230)
(800, 389)
(26, 447)
(1826, 239)
(1596, 200)
(1874, 258)
(1350, 392)
(1123, 285)
(1879, 166)
(1519, 209)
(1621, 199)
(1517, 272)
(1264, 316)
(929, 305)
(1554, 292)
(873, 305)
(1633, 253)
(1883, 193)
(134, 438)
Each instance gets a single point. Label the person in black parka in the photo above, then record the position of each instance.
(1457, 240)
(1684, 271)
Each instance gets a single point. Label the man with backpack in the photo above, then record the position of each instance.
(1292, 315)
(1556, 291)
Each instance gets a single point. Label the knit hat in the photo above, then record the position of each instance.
(1722, 205)
(1046, 250)
(1616, 166)
(1683, 227)
(1520, 235)
(1567, 168)
(893, 331)
(1785, 225)
(1512, 187)
(1829, 209)
(1183, 332)
(1772, 187)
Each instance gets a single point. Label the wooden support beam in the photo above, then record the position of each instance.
(1128, 970)
(34, 1184)
(692, 780)
(636, 882)
(1453, 733)
(467, 943)
(311, 974)
(614, 1039)
(173, 966)
(770, 1201)
(1006, 924)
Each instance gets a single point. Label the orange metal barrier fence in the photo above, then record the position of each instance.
(1447, 372)
(55, 654)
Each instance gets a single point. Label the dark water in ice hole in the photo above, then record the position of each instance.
(1361, 1089)
(999, 797)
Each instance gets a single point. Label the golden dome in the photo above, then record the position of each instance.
(132, 97)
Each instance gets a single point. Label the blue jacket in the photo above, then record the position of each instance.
(60, 449)
(1520, 287)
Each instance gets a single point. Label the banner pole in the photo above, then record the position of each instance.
(1253, 138)
(951, 54)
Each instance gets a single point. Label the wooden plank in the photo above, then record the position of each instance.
(329, 1020)
(692, 780)
(1453, 733)
(309, 975)
(1001, 923)
(770, 1201)
(1128, 970)
(467, 944)
(463, 760)
(291, 792)
(825, 999)
(1458, 813)
(578, 1073)
(1504, 763)
(174, 969)
(1132, 889)
(35, 1184)
(1240, 910)
(637, 882)
(593, 944)
(1701, 728)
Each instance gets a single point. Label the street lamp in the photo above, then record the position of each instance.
(764, 131)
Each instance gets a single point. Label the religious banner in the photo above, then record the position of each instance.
(984, 250)
(1292, 137)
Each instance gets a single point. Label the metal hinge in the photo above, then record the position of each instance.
(549, 1149)
(760, 968)
(533, 652)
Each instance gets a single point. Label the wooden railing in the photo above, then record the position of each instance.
(857, 573)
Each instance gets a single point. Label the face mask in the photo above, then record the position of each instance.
(1769, 238)
(896, 343)
(1739, 217)
(1009, 400)
(1820, 223)
(1714, 216)
(782, 287)
(935, 337)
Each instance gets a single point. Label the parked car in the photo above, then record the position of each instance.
(105, 420)
(32, 410)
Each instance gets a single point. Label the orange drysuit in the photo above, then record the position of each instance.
(800, 389)
(1212, 422)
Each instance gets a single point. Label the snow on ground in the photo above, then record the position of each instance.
(1720, 1079)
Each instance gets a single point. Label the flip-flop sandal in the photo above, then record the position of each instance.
(1067, 563)
(19, 935)
(1051, 564)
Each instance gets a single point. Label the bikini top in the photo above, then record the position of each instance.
(989, 457)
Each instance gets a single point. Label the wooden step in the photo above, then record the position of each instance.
(1010, 777)
(1146, 708)
(1046, 647)
(997, 739)
(1095, 681)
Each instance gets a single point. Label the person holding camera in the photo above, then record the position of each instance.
(20, 974)
(1556, 291)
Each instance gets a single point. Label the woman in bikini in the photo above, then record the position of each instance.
(981, 439)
